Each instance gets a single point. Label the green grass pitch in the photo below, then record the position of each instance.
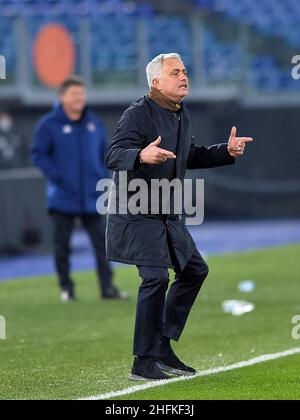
(70, 351)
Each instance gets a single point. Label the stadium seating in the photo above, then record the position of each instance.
(270, 17)
(8, 44)
(11, 8)
(115, 44)
(222, 60)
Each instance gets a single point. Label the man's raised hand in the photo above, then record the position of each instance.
(154, 155)
(236, 145)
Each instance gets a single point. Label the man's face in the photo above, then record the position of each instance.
(6, 122)
(174, 82)
(74, 99)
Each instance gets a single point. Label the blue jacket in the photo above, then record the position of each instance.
(71, 156)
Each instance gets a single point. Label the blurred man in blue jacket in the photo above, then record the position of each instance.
(69, 148)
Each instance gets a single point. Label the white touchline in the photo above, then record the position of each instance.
(209, 372)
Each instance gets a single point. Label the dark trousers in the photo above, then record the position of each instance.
(159, 315)
(94, 225)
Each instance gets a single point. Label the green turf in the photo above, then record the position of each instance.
(276, 380)
(67, 351)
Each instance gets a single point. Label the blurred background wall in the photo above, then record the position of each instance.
(239, 56)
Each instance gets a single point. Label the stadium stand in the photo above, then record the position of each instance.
(114, 41)
(269, 17)
(8, 44)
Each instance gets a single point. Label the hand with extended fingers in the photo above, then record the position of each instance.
(236, 145)
(154, 155)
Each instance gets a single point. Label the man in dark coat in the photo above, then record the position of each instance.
(69, 148)
(153, 140)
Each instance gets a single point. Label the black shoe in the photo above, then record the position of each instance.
(145, 369)
(172, 364)
(114, 294)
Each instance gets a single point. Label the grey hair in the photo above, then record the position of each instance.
(154, 68)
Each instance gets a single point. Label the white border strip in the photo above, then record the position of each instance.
(153, 384)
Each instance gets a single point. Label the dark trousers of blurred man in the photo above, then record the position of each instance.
(69, 148)
(94, 225)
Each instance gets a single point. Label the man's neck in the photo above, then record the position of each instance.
(73, 115)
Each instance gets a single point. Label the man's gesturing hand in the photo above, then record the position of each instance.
(154, 155)
(236, 145)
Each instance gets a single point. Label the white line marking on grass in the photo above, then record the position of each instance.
(209, 372)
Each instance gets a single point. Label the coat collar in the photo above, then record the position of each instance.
(163, 101)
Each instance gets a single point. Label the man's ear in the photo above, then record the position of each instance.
(156, 84)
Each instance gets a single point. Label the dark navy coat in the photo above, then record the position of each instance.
(71, 156)
(154, 240)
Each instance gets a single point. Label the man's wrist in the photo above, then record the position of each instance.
(231, 152)
(140, 156)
